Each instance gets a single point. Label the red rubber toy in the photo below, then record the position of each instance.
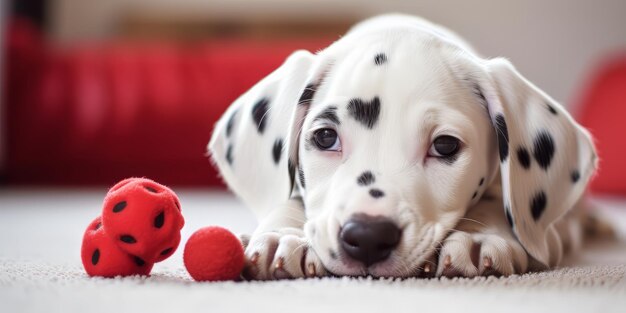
(144, 218)
(140, 225)
(102, 257)
(214, 254)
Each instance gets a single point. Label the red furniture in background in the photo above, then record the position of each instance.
(97, 113)
(603, 112)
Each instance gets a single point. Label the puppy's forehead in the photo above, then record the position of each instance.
(390, 80)
(396, 71)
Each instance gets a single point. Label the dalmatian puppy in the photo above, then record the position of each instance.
(398, 152)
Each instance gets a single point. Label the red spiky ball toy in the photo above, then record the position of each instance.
(140, 225)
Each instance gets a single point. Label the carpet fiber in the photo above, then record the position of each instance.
(40, 270)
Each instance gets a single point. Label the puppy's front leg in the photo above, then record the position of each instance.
(278, 248)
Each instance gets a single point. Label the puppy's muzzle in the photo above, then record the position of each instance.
(369, 239)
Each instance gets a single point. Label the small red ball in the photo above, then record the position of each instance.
(213, 254)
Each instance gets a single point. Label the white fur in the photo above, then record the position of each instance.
(427, 87)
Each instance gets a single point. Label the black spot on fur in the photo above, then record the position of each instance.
(502, 133)
(159, 220)
(292, 172)
(128, 239)
(309, 143)
(482, 180)
(380, 59)
(301, 177)
(277, 150)
(376, 193)
(543, 149)
(307, 94)
(333, 254)
(329, 114)
(139, 261)
(166, 251)
(95, 257)
(230, 123)
(259, 114)
(229, 154)
(551, 109)
(509, 218)
(575, 176)
(475, 194)
(487, 197)
(479, 94)
(523, 157)
(538, 205)
(364, 112)
(119, 207)
(365, 179)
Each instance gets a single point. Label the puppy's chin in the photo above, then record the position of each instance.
(388, 269)
(347, 267)
(338, 269)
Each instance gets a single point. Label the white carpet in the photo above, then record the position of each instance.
(40, 271)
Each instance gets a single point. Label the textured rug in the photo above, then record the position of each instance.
(40, 270)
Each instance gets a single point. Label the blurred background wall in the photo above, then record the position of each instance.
(97, 90)
(3, 12)
(554, 43)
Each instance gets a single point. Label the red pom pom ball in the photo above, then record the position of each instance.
(213, 254)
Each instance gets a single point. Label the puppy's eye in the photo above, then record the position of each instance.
(327, 139)
(444, 146)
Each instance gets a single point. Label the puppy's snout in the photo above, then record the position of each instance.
(369, 239)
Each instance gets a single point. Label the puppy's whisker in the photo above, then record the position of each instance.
(473, 220)
(296, 218)
(437, 244)
(296, 249)
(411, 265)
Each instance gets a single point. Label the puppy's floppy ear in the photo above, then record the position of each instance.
(250, 140)
(314, 80)
(546, 158)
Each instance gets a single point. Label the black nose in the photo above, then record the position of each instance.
(369, 239)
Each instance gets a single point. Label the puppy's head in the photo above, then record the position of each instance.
(397, 134)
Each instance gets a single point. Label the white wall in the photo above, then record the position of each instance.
(555, 43)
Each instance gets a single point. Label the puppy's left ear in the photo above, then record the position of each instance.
(248, 143)
(546, 158)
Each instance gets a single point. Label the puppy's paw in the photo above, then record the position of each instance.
(480, 254)
(284, 254)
